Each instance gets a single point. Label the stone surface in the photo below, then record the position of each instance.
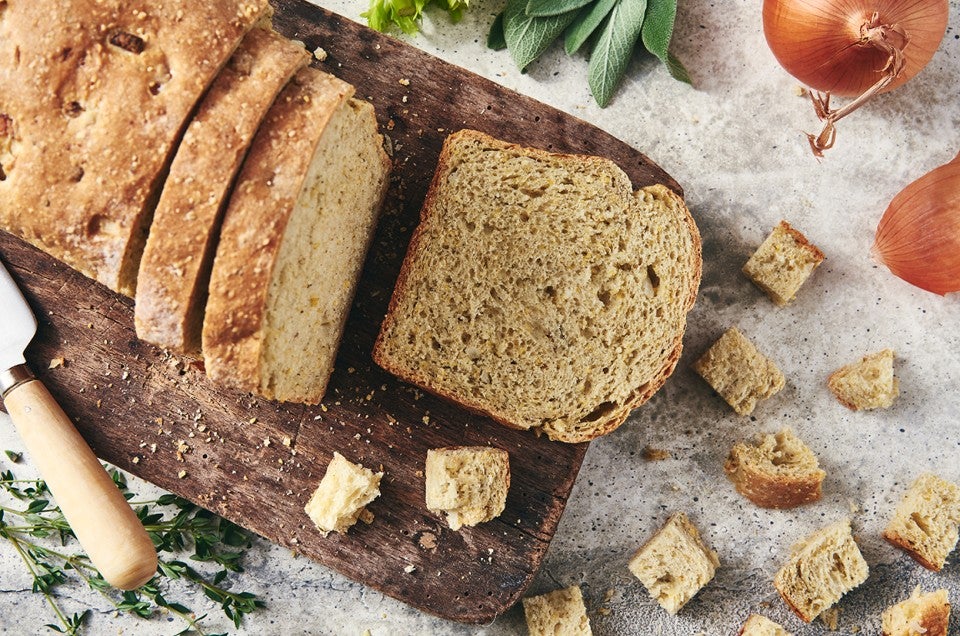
(735, 143)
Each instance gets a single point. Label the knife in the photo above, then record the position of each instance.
(102, 520)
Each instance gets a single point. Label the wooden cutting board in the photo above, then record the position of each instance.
(256, 462)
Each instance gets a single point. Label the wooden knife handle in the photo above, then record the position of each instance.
(106, 526)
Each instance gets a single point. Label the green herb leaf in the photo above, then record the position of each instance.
(14, 456)
(406, 14)
(495, 38)
(614, 48)
(586, 23)
(528, 37)
(543, 8)
(657, 32)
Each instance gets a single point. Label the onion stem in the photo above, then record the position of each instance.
(888, 38)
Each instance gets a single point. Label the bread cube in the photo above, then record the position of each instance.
(674, 564)
(925, 522)
(758, 625)
(867, 384)
(557, 613)
(468, 483)
(737, 370)
(920, 615)
(342, 496)
(778, 471)
(822, 568)
(783, 263)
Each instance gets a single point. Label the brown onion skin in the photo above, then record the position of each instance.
(816, 40)
(919, 235)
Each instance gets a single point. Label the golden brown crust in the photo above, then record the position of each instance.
(175, 268)
(802, 241)
(773, 491)
(617, 416)
(254, 224)
(97, 99)
(904, 544)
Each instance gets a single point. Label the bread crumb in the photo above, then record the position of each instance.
(136, 459)
(404, 82)
(426, 419)
(366, 516)
(57, 362)
(652, 454)
(266, 442)
(320, 54)
(428, 541)
(830, 618)
(410, 569)
(181, 474)
(800, 91)
(286, 441)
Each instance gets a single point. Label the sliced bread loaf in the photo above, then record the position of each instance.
(93, 106)
(175, 269)
(822, 568)
(926, 521)
(293, 242)
(540, 289)
(778, 471)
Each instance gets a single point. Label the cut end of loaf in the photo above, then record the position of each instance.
(540, 290)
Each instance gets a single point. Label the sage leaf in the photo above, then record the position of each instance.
(614, 48)
(542, 8)
(495, 38)
(657, 32)
(586, 22)
(528, 37)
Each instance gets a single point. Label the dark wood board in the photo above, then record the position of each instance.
(256, 462)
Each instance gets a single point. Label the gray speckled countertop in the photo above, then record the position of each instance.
(735, 144)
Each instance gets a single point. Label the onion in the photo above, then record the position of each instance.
(919, 235)
(852, 48)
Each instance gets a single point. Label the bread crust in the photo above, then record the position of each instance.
(175, 268)
(895, 539)
(99, 96)
(773, 491)
(254, 224)
(605, 424)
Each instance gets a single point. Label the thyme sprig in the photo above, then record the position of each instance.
(41, 537)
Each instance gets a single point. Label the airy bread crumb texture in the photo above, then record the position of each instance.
(674, 564)
(925, 522)
(777, 471)
(757, 625)
(342, 496)
(867, 384)
(923, 614)
(783, 263)
(540, 289)
(557, 613)
(468, 483)
(821, 569)
(736, 369)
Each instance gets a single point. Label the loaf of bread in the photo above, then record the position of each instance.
(674, 564)
(778, 471)
(467, 483)
(293, 242)
(736, 369)
(783, 263)
(557, 613)
(342, 496)
(920, 615)
(175, 269)
(867, 384)
(91, 113)
(758, 625)
(540, 289)
(821, 569)
(926, 520)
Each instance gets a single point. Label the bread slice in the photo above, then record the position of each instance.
(674, 564)
(925, 522)
(822, 568)
(778, 471)
(93, 108)
(867, 384)
(783, 263)
(920, 615)
(758, 625)
(539, 289)
(175, 269)
(468, 483)
(293, 242)
(557, 613)
(736, 369)
(342, 496)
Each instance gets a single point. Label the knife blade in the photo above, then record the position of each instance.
(100, 517)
